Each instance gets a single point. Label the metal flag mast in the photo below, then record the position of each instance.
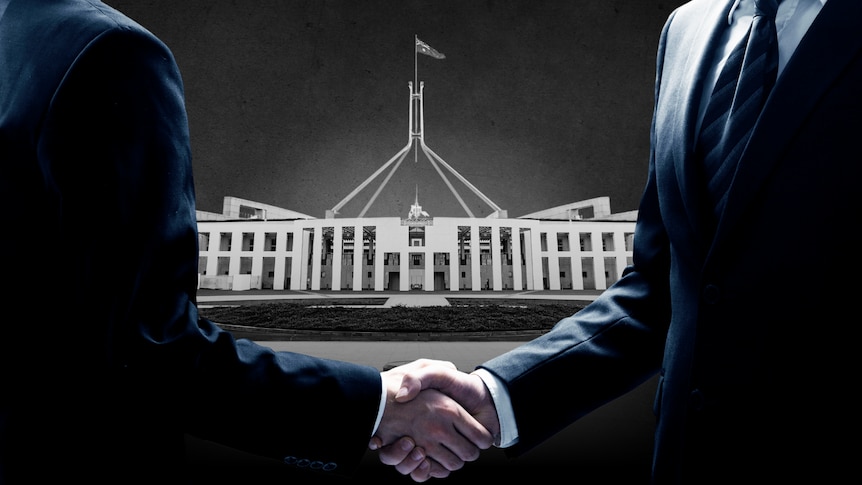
(415, 142)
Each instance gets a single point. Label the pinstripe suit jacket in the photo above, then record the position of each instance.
(108, 364)
(749, 323)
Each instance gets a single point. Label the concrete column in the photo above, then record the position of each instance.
(454, 276)
(212, 253)
(475, 256)
(404, 270)
(428, 259)
(535, 255)
(620, 251)
(577, 262)
(529, 260)
(496, 259)
(257, 254)
(316, 253)
(553, 260)
(517, 280)
(337, 256)
(378, 266)
(358, 256)
(235, 251)
(279, 270)
(599, 261)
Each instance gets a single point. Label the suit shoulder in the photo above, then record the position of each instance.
(695, 11)
(113, 19)
(73, 23)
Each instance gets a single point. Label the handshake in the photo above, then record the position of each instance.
(436, 418)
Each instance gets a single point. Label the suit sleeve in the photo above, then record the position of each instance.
(603, 351)
(115, 151)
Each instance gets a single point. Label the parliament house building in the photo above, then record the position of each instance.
(579, 246)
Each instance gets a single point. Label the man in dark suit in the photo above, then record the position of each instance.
(105, 363)
(747, 308)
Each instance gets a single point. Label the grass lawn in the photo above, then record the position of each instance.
(464, 315)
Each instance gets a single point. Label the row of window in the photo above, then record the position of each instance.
(225, 241)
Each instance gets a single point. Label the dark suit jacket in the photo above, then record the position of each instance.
(106, 362)
(752, 329)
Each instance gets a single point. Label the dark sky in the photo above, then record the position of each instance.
(296, 103)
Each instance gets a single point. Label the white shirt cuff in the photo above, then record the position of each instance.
(503, 404)
(381, 408)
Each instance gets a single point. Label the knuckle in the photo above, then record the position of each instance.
(471, 455)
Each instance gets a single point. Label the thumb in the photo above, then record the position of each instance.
(412, 383)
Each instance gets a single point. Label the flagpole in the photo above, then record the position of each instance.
(415, 91)
(415, 64)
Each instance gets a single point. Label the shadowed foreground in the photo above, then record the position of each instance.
(612, 445)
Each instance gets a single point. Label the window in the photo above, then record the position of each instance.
(269, 241)
(248, 241)
(204, 241)
(562, 241)
(607, 241)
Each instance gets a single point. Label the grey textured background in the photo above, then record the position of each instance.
(294, 103)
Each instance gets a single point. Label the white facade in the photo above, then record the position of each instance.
(414, 253)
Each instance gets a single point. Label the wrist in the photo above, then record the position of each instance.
(499, 420)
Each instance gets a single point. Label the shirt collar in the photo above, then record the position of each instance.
(737, 3)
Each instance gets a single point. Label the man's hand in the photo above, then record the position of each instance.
(441, 428)
(408, 454)
(407, 458)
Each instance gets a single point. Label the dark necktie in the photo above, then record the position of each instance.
(736, 102)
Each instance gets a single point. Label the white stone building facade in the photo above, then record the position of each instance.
(562, 250)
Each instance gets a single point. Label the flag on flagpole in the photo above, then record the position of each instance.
(426, 49)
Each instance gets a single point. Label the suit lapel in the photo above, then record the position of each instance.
(832, 41)
(687, 73)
